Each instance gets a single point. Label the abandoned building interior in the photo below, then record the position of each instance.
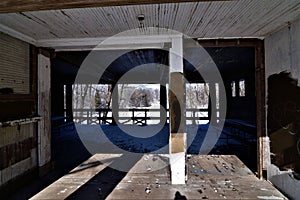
(132, 99)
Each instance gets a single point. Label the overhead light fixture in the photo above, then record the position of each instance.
(141, 17)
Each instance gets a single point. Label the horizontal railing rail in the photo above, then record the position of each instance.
(131, 115)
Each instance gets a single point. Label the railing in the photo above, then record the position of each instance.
(85, 116)
(141, 116)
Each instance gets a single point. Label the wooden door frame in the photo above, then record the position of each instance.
(260, 92)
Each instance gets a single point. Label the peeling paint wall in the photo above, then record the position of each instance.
(282, 51)
(282, 54)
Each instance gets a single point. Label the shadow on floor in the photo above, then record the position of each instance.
(101, 185)
(67, 152)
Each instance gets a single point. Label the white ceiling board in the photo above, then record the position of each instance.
(247, 18)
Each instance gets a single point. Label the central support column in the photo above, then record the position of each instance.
(177, 141)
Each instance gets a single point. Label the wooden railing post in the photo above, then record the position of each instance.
(69, 103)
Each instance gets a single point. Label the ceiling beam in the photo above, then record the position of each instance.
(11, 6)
(16, 34)
(113, 43)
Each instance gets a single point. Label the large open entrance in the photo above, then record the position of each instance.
(139, 102)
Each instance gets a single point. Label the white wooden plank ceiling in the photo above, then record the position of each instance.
(246, 18)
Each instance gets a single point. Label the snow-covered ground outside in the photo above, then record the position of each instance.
(143, 139)
(152, 139)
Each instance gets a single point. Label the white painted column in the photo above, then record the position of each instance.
(177, 141)
(44, 109)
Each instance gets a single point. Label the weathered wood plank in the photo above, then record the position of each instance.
(233, 180)
(44, 110)
(260, 109)
(200, 187)
(7, 6)
(6, 174)
(225, 19)
(232, 183)
(217, 164)
(76, 178)
(16, 122)
(14, 153)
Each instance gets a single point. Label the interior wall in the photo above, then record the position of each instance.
(15, 79)
(282, 51)
(282, 54)
(18, 140)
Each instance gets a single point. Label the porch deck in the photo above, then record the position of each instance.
(148, 177)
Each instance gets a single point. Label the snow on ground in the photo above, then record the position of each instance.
(147, 139)
(112, 139)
